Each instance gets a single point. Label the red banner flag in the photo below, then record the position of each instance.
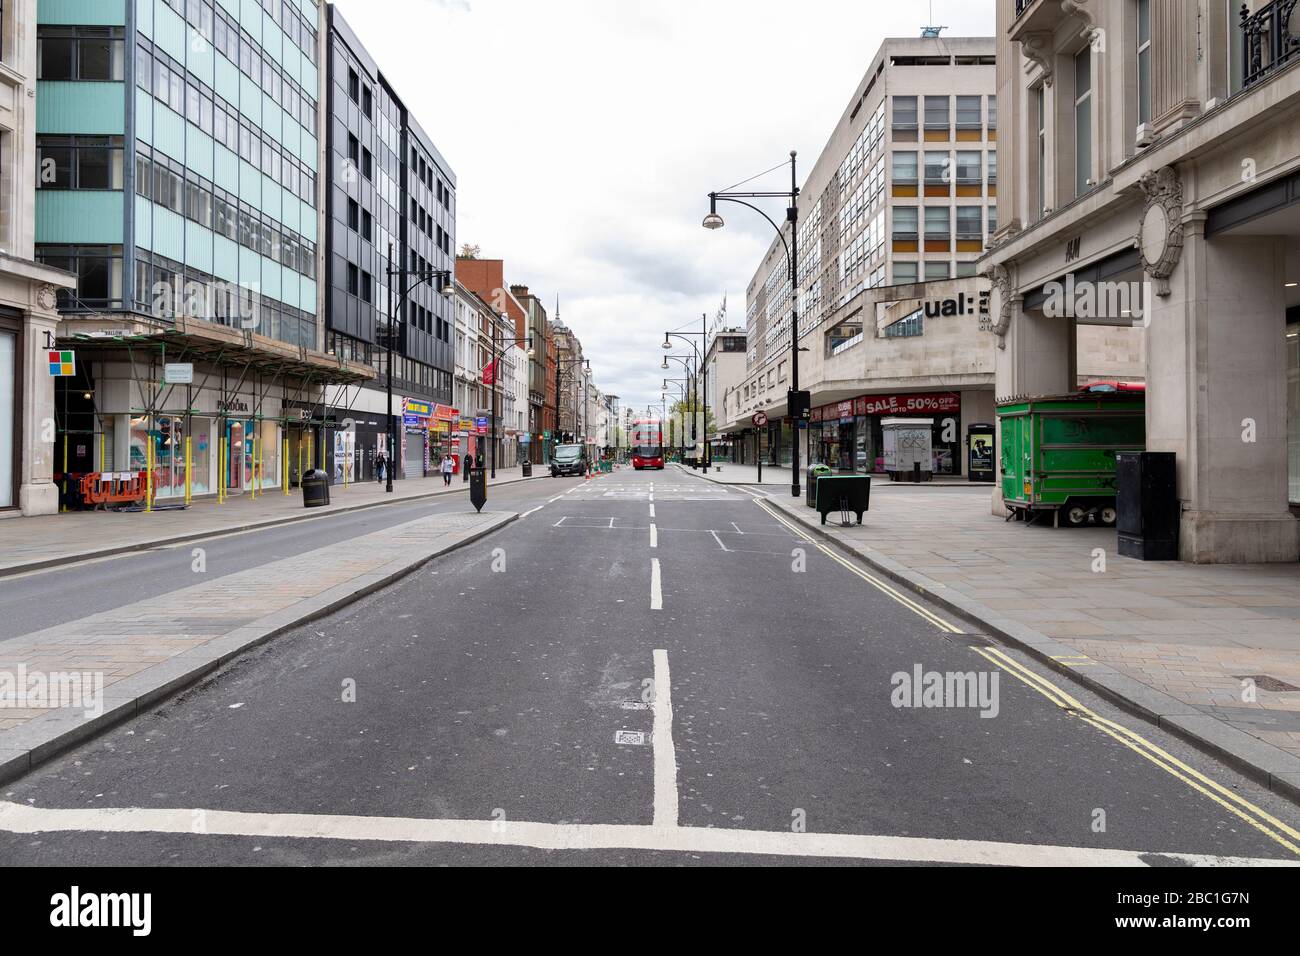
(490, 373)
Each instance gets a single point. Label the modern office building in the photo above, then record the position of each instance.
(28, 289)
(180, 182)
(1154, 169)
(390, 193)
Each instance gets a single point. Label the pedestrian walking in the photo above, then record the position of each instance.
(469, 463)
(448, 466)
(381, 463)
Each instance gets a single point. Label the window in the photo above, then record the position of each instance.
(79, 53)
(969, 112)
(965, 270)
(354, 215)
(79, 162)
(367, 164)
(993, 218)
(905, 222)
(367, 226)
(354, 85)
(904, 168)
(367, 102)
(936, 113)
(993, 167)
(1236, 47)
(908, 325)
(367, 287)
(968, 167)
(98, 270)
(937, 270)
(993, 113)
(969, 222)
(1040, 112)
(936, 168)
(937, 222)
(1083, 121)
(354, 279)
(1144, 61)
(354, 151)
(904, 112)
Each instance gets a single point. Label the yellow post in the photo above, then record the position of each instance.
(284, 465)
(189, 462)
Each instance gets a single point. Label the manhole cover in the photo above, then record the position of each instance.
(634, 737)
(1265, 682)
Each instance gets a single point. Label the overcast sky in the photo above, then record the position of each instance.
(586, 134)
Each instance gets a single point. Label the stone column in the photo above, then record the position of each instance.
(1216, 396)
(37, 493)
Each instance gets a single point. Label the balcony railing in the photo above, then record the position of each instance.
(1269, 40)
(1023, 5)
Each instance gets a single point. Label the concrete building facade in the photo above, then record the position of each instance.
(1154, 171)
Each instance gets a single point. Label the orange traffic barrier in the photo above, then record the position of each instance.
(99, 489)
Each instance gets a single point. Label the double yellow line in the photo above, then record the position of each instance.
(874, 581)
(1235, 804)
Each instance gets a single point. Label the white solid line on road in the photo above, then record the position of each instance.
(19, 818)
(654, 536)
(652, 511)
(534, 510)
(664, 753)
(737, 527)
(656, 589)
(555, 499)
(719, 540)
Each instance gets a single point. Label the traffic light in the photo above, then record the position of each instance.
(800, 405)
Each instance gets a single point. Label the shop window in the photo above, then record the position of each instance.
(909, 325)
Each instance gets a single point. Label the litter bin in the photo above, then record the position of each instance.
(815, 472)
(528, 469)
(315, 489)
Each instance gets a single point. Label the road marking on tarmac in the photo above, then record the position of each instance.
(654, 536)
(19, 818)
(656, 588)
(1260, 819)
(665, 757)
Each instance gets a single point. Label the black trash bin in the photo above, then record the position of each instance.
(528, 469)
(815, 472)
(315, 489)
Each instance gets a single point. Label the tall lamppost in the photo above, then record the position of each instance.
(690, 370)
(496, 380)
(795, 403)
(666, 344)
(560, 366)
(417, 277)
(681, 390)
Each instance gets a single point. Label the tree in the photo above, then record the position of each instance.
(468, 251)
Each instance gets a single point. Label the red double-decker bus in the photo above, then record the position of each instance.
(646, 439)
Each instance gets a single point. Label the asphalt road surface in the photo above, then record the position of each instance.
(645, 668)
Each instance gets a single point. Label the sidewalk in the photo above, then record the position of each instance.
(103, 668)
(1211, 652)
(776, 475)
(45, 540)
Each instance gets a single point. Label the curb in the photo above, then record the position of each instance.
(1270, 766)
(47, 736)
(46, 563)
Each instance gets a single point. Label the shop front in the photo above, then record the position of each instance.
(848, 437)
(416, 443)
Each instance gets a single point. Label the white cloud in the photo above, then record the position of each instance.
(586, 134)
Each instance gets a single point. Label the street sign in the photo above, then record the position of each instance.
(178, 373)
(760, 419)
(63, 362)
(477, 488)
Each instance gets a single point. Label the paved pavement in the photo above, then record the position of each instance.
(1213, 650)
(640, 669)
(724, 472)
(45, 540)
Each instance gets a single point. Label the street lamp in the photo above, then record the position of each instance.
(713, 222)
(701, 459)
(680, 383)
(496, 382)
(419, 277)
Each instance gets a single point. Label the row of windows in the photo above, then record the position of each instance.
(164, 182)
(98, 270)
(940, 167)
(938, 222)
(937, 112)
(216, 26)
(159, 74)
(425, 172)
(163, 286)
(934, 270)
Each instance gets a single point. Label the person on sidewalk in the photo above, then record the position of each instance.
(469, 463)
(380, 464)
(448, 466)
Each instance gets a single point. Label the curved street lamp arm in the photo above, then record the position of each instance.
(771, 221)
